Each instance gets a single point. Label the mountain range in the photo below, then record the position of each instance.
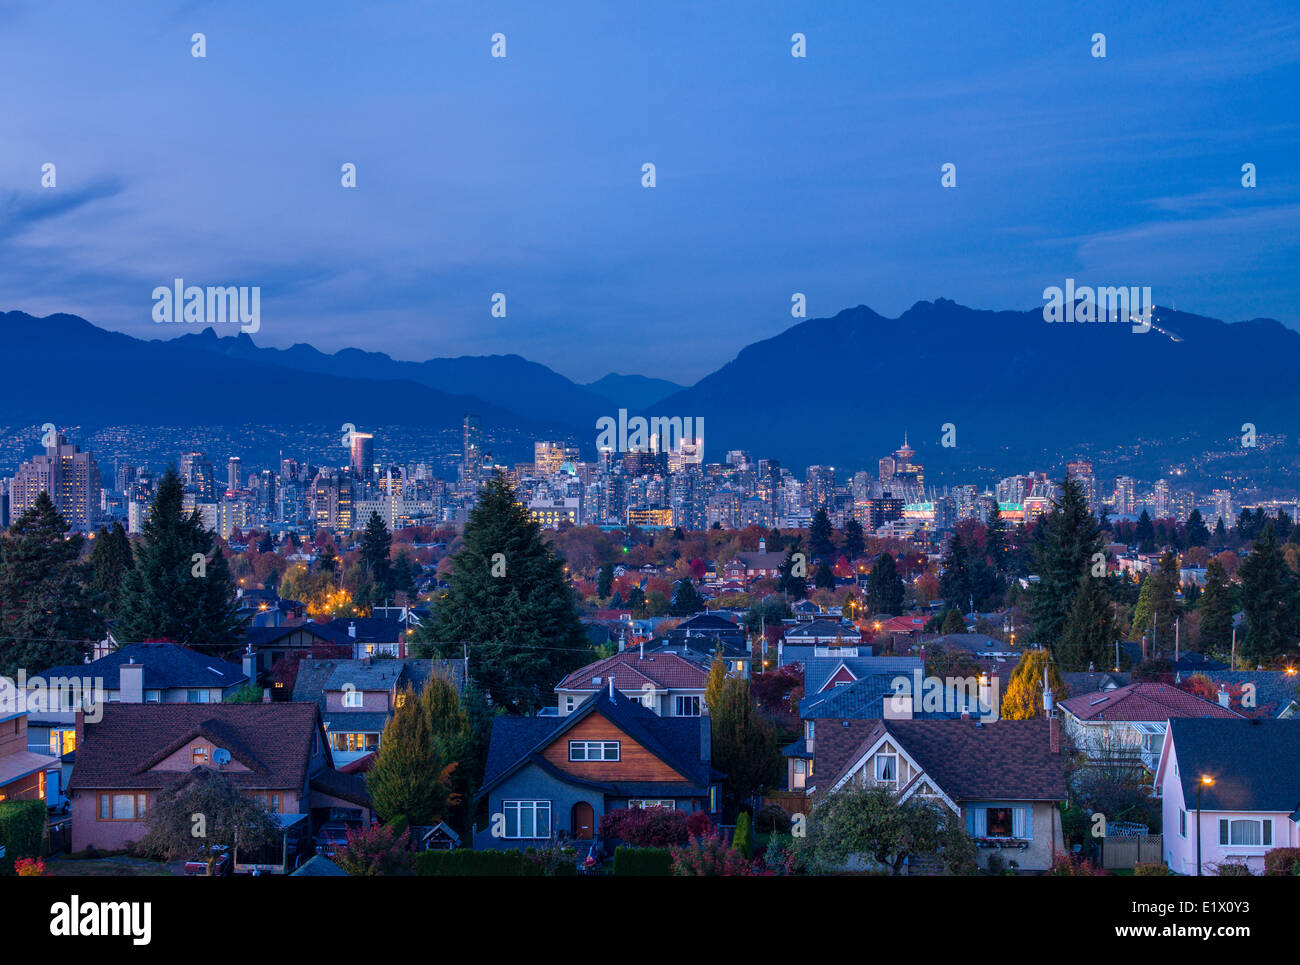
(841, 390)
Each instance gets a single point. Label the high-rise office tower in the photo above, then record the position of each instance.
(1160, 501)
(548, 457)
(1081, 472)
(820, 487)
(233, 473)
(1125, 496)
(362, 457)
(471, 460)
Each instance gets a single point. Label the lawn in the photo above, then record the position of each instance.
(105, 867)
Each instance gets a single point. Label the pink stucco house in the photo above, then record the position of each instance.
(1253, 802)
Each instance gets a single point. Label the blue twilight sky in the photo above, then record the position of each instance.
(523, 175)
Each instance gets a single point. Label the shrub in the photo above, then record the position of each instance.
(1235, 869)
(1069, 865)
(376, 851)
(699, 824)
(1282, 861)
(1149, 869)
(711, 856)
(29, 867)
(22, 831)
(642, 862)
(773, 819)
(477, 864)
(645, 827)
(744, 840)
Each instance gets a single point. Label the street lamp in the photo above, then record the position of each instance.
(1204, 782)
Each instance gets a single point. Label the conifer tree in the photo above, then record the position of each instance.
(820, 533)
(1089, 633)
(1216, 608)
(885, 587)
(1269, 599)
(110, 559)
(410, 778)
(1024, 697)
(686, 599)
(1068, 538)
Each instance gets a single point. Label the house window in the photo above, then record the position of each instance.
(713, 799)
(350, 742)
(199, 754)
(1246, 832)
(196, 696)
(351, 698)
(800, 766)
(1182, 823)
(122, 807)
(687, 706)
(593, 750)
(269, 801)
(527, 819)
(998, 822)
(887, 768)
(153, 696)
(808, 730)
(568, 705)
(652, 803)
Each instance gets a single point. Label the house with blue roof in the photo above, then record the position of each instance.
(551, 778)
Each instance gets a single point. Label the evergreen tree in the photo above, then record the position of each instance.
(790, 580)
(744, 744)
(855, 542)
(1067, 539)
(953, 622)
(376, 544)
(110, 558)
(820, 536)
(176, 591)
(605, 580)
(995, 539)
(46, 616)
(1216, 609)
(410, 778)
(1197, 534)
(1145, 534)
(453, 735)
(885, 587)
(403, 574)
(521, 625)
(1220, 534)
(686, 599)
(1269, 599)
(1168, 581)
(1144, 610)
(1089, 632)
(825, 576)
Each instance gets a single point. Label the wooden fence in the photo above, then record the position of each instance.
(1126, 851)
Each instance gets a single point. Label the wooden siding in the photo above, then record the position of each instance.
(635, 763)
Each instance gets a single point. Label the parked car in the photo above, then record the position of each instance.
(198, 865)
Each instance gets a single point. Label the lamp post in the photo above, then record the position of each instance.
(1204, 782)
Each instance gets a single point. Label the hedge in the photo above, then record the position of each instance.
(1151, 869)
(1282, 861)
(476, 864)
(22, 831)
(642, 862)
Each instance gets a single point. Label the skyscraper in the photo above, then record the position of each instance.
(70, 476)
(363, 454)
(233, 473)
(1081, 472)
(471, 460)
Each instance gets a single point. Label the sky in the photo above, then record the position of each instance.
(523, 175)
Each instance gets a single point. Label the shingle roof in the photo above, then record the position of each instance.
(1255, 763)
(275, 740)
(316, 677)
(969, 761)
(817, 671)
(1275, 690)
(166, 665)
(320, 866)
(1142, 701)
(1086, 682)
(348, 787)
(631, 673)
(862, 699)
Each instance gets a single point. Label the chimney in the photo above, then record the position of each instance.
(352, 629)
(611, 686)
(642, 649)
(762, 546)
(249, 661)
(706, 737)
(1225, 699)
(130, 685)
(80, 727)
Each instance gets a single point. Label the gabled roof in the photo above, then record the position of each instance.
(1092, 682)
(818, 671)
(1255, 763)
(317, 677)
(707, 621)
(663, 671)
(1004, 760)
(824, 628)
(1142, 702)
(368, 630)
(319, 866)
(274, 740)
(519, 741)
(865, 698)
(1275, 690)
(166, 666)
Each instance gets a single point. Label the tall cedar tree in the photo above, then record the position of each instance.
(1197, 533)
(825, 576)
(686, 599)
(1216, 608)
(1068, 538)
(376, 543)
(1168, 581)
(885, 587)
(1024, 697)
(790, 583)
(1089, 635)
(522, 628)
(46, 617)
(995, 539)
(820, 536)
(1144, 611)
(410, 777)
(162, 597)
(453, 736)
(110, 559)
(1269, 599)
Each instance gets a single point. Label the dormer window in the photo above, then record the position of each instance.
(351, 698)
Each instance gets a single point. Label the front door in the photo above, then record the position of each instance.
(584, 821)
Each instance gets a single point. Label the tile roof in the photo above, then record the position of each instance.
(166, 665)
(1142, 701)
(1255, 763)
(968, 760)
(273, 740)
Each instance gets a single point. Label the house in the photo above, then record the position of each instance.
(755, 566)
(1092, 682)
(830, 668)
(549, 777)
(665, 683)
(874, 696)
(357, 698)
(823, 633)
(1130, 722)
(24, 774)
(1245, 777)
(368, 636)
(1004, 779)
(275, 752)
(270, 644)
(1257, 693)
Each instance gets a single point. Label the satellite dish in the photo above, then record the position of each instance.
(221, 756)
